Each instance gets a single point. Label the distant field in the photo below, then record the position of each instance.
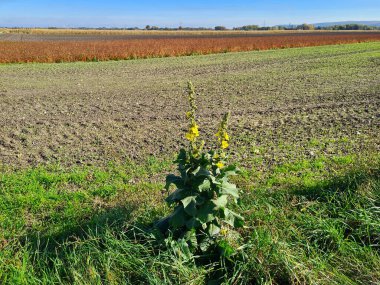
(44, 31)
(85, 35)
(79, 45)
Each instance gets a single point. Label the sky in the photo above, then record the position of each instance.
(174, 13)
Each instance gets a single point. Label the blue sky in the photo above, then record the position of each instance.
(115, 13)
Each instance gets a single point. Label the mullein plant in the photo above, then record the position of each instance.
(202, 217)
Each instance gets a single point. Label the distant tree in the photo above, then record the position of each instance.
(220, 28)
(248, 28)
(264, 28)
(350, 27)
(305, 27)
(147, 27)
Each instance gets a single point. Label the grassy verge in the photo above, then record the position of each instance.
(313, 221)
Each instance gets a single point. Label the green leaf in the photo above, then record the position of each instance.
(200, 200)
(176, 196)
(178, 218)
(214, 180)
(190, 205)
(181, 158)
(201, 171)
(239, 222)
(205, 185)
(213, 229)
(191, 238)
(230, 170)
(229, 189)
(233, 219)
(221, 201)
(173, 179)
(193, 223)
(206, 213)
(205, 244)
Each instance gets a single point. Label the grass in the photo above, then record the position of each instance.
(88, 225)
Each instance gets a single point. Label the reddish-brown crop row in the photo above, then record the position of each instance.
(67, 51)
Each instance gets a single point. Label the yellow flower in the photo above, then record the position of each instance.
(193, 132)
(223, 232)
(226, 137)
(188, 114)
(220, 164)
(224, 144)
(190, 137)
(216, 156)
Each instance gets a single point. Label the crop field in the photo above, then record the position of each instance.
(69, 47)
(85, 148)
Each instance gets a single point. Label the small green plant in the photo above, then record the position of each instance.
(202, 217)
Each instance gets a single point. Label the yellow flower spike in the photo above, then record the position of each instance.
(190, 137)
(220, 165)
(194, 130)
(222, 134)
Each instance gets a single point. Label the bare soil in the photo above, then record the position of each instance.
(284, 104)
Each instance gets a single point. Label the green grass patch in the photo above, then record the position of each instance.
(88, 225)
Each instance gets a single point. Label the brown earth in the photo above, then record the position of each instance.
(285, 104)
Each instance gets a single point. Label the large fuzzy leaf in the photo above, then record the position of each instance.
(229, 189)
(206, 213)
(173, 179)
(201, 172)
(205, 185)
(220, 201)
(178, 218)
(213, 229)
(191, 238)
(176, 196)
(193, 223)
(190, 205)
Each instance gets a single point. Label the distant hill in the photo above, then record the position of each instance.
(367, 23)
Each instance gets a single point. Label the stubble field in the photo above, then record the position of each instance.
(85, 147)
